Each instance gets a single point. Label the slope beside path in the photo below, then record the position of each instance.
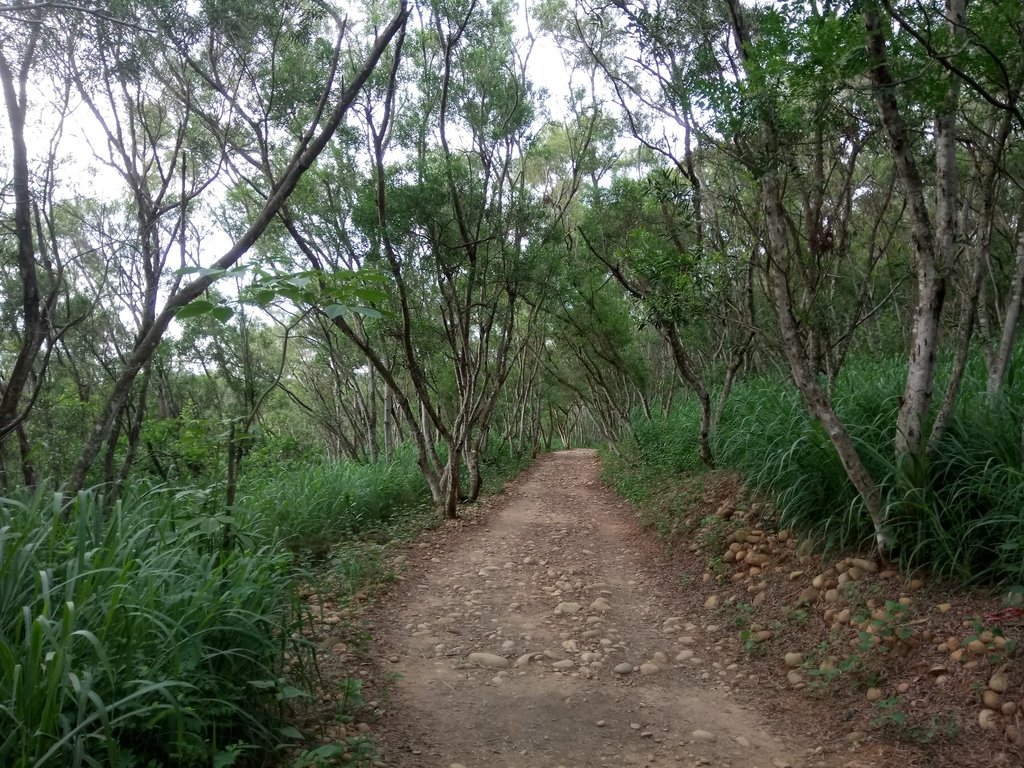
(543, 639)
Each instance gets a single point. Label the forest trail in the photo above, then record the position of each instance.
(552, 571)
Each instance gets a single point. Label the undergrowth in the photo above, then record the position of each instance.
(134, 634)
(153, 631)
(961, 517)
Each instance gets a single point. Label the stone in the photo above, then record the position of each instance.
(795, 677)
(998, 682)
(874, 694)
(700, 735)
(987, 720)
(868, 566)
(491, 660)
(525, 659)
(977, 647)
(600, 723)
(685, 655)
(623, 669)
(743, 741)
(567, 609)
(991, 700)
(711, 602)
(564, 664)
(793, 659)
(808, 596)
(649, 669)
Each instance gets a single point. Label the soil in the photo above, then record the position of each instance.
(602, 648)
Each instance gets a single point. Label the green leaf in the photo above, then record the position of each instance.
(327, 751)
(222, 313)
(195, 309)
(290, 732)
(336, 310)
(264, 296)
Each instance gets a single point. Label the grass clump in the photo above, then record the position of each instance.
(134, 635)
(961, 516)
(325, 501)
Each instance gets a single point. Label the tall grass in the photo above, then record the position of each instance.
(133, 636)
(323, 501)
(153, 631)
(962, 516)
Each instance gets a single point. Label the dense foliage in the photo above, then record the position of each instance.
(276, 279)
(962, 522)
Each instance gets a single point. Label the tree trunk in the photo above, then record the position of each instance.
(388, 437)
(689, 375)
(778, 265)
(932, 254)
(1004, 354)
(969, 311)
(33, 318)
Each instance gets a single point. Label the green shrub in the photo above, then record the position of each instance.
(962, 516)
(326, 500)
(135, 635)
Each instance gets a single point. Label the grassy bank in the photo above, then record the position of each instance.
(155, 631)
(961, 517)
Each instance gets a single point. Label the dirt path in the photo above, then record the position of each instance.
(552, 572)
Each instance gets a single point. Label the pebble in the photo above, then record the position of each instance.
(649, 669)
(564, 664)
(567, 609)
(743, 741)
(700, 735)
(491, 660)
(624, 668)
(998, 682)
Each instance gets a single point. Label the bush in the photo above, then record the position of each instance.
(961, 517)
(326, 500)
(136, 635)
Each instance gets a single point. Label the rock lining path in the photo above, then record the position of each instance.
(541, 640)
